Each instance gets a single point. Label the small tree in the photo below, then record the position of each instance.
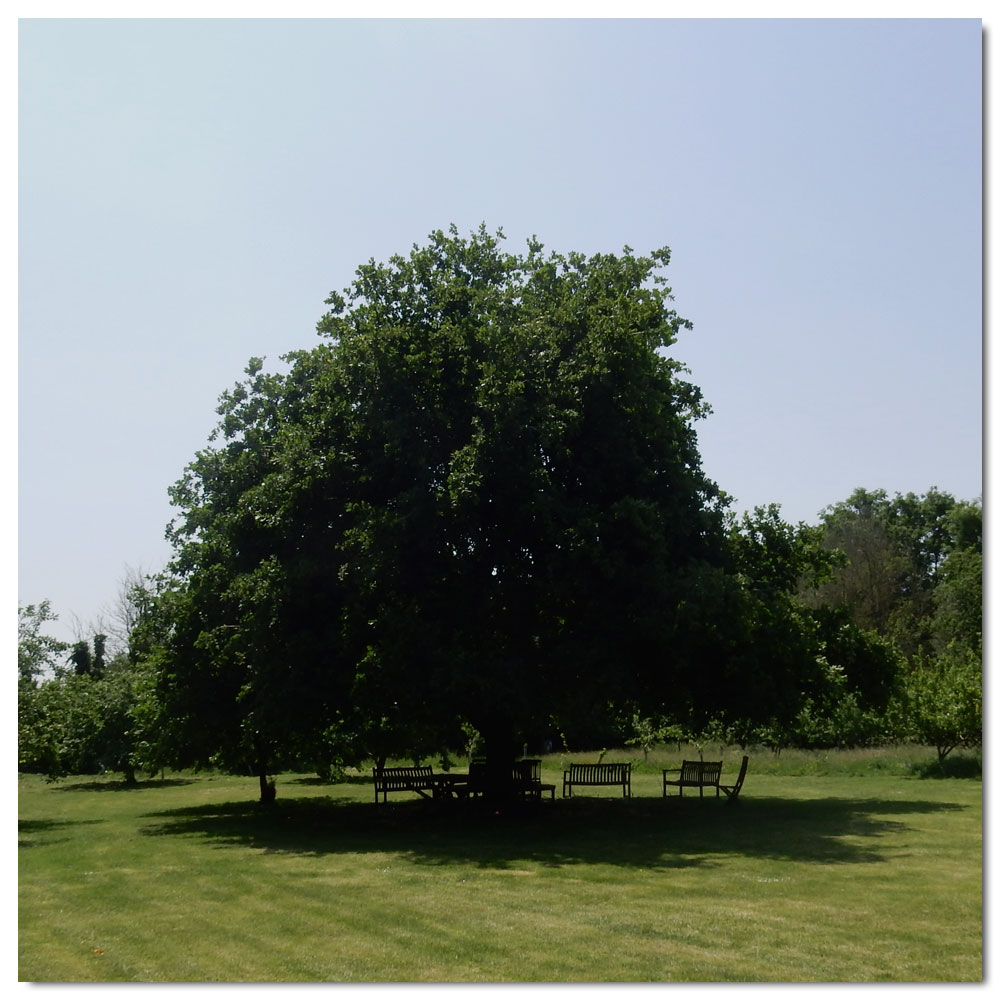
(942, 701)
(37, 652)
(80, 657)
(647, 733)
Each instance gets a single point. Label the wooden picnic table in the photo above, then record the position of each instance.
(444, 785)
(451, 785)
(461, 785)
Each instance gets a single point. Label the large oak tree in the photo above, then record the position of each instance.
(479, 499)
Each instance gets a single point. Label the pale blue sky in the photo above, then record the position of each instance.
(190, 191)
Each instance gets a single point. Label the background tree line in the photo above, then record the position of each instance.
(476, 513)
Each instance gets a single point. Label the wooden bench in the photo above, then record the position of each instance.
(403, 779)
(598, 774)
(700, 774)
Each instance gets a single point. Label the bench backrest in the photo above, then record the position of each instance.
(742, 774)
(404, 777)
(703, 772)
(610, 773)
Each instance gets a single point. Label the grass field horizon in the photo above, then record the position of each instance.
(835, 866)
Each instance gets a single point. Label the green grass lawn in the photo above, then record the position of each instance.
(823, 872)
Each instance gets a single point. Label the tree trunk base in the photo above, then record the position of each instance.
(268, 790)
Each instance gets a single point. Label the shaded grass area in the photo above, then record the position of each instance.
(645, 833)
(807, 879)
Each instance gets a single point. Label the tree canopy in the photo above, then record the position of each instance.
(912, 568)
(479, 498)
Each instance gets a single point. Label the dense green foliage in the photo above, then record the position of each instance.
(82, 724)
(913, 574)
(88, 718)
(913, 568)
(85, 707)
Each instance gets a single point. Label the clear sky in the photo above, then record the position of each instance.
(191, 190)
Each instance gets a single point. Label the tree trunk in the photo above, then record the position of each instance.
(267, 788)
(498, 734)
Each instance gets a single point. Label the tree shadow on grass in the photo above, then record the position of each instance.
(314, 781)
(644, 833)
(123, 786)
(951, 767)
(32, 832)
